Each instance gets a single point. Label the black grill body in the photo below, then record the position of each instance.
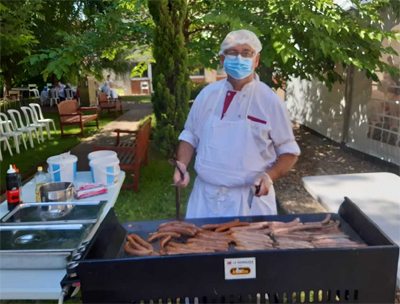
(320, 275)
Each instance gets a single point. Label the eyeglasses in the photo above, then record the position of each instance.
(244, 54)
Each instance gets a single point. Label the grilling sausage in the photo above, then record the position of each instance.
(137, 239)
(139, 252)
(178, 223)
(159, 235)
(165, 241)
(226, 226)
(189, 231)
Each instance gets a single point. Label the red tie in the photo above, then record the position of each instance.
(228, 99)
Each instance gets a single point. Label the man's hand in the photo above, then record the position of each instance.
(264, 183)
(179, 180)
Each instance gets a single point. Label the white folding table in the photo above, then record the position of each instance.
(23, 284)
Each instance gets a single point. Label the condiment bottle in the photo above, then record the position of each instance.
(40, 179)
(13, 183)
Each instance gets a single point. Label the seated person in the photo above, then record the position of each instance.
(108, 89)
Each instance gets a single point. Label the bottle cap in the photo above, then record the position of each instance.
(11, 170)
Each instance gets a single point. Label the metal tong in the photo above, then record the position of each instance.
(173, 162)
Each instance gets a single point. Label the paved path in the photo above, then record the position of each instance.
(128, 121)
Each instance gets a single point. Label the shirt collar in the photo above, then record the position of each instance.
(246, 87)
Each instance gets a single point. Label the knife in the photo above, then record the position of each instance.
(253, 190)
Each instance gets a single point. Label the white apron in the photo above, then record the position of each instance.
(229, 158)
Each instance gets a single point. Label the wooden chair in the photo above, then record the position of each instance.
(132, 151)
(106, 104)
(71, 114)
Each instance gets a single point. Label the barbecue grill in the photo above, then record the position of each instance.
(318, 275)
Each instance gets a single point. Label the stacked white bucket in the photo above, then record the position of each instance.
(104, 166)
(62, 168)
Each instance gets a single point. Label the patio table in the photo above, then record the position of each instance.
(24, 284)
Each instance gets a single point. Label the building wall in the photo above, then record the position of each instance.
(374, 120)
(310, 103)
(138, 86)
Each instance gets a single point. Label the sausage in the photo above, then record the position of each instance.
(140, 241)
(210, 226)
(217, 226)
(178, 223)
(183, 248)
(228, 225)
(128, 249)
(159, 235)
(181, 230)
(214, 236)
(165, 241)
(208, 244)
(295, 222)
(133, 244)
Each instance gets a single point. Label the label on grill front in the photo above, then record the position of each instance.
(240, 268)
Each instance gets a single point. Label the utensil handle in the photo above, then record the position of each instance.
(178, 202)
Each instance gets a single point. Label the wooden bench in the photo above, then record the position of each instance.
(132, 151)
(71, 114)
(105, 103)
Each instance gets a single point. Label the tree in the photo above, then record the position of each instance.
(305, 39)
(17, 38)
(171, 78)
(101, 34)
(70, 38)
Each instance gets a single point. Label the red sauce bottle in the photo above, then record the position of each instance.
(13, 184)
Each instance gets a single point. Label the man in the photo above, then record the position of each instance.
(242, 137)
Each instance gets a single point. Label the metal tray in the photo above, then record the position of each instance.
(39, 246)
(54, 213)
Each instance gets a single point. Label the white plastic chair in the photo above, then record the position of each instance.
(6, 145)
(19, 125)
(54, 98)
(37, 111)
(6, 130)
(30, 120)
(33, 91)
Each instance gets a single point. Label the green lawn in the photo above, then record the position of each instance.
(156, 196)
(137, 98)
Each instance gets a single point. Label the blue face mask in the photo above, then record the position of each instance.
(238, 67)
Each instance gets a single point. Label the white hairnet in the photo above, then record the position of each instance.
(241, 37)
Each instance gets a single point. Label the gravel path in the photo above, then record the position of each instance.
(321, 156)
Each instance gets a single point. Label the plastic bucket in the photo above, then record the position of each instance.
(106, 156)
(105, 173)
(102, 154)
(62, 168)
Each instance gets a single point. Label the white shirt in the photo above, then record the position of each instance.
(265, 105)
